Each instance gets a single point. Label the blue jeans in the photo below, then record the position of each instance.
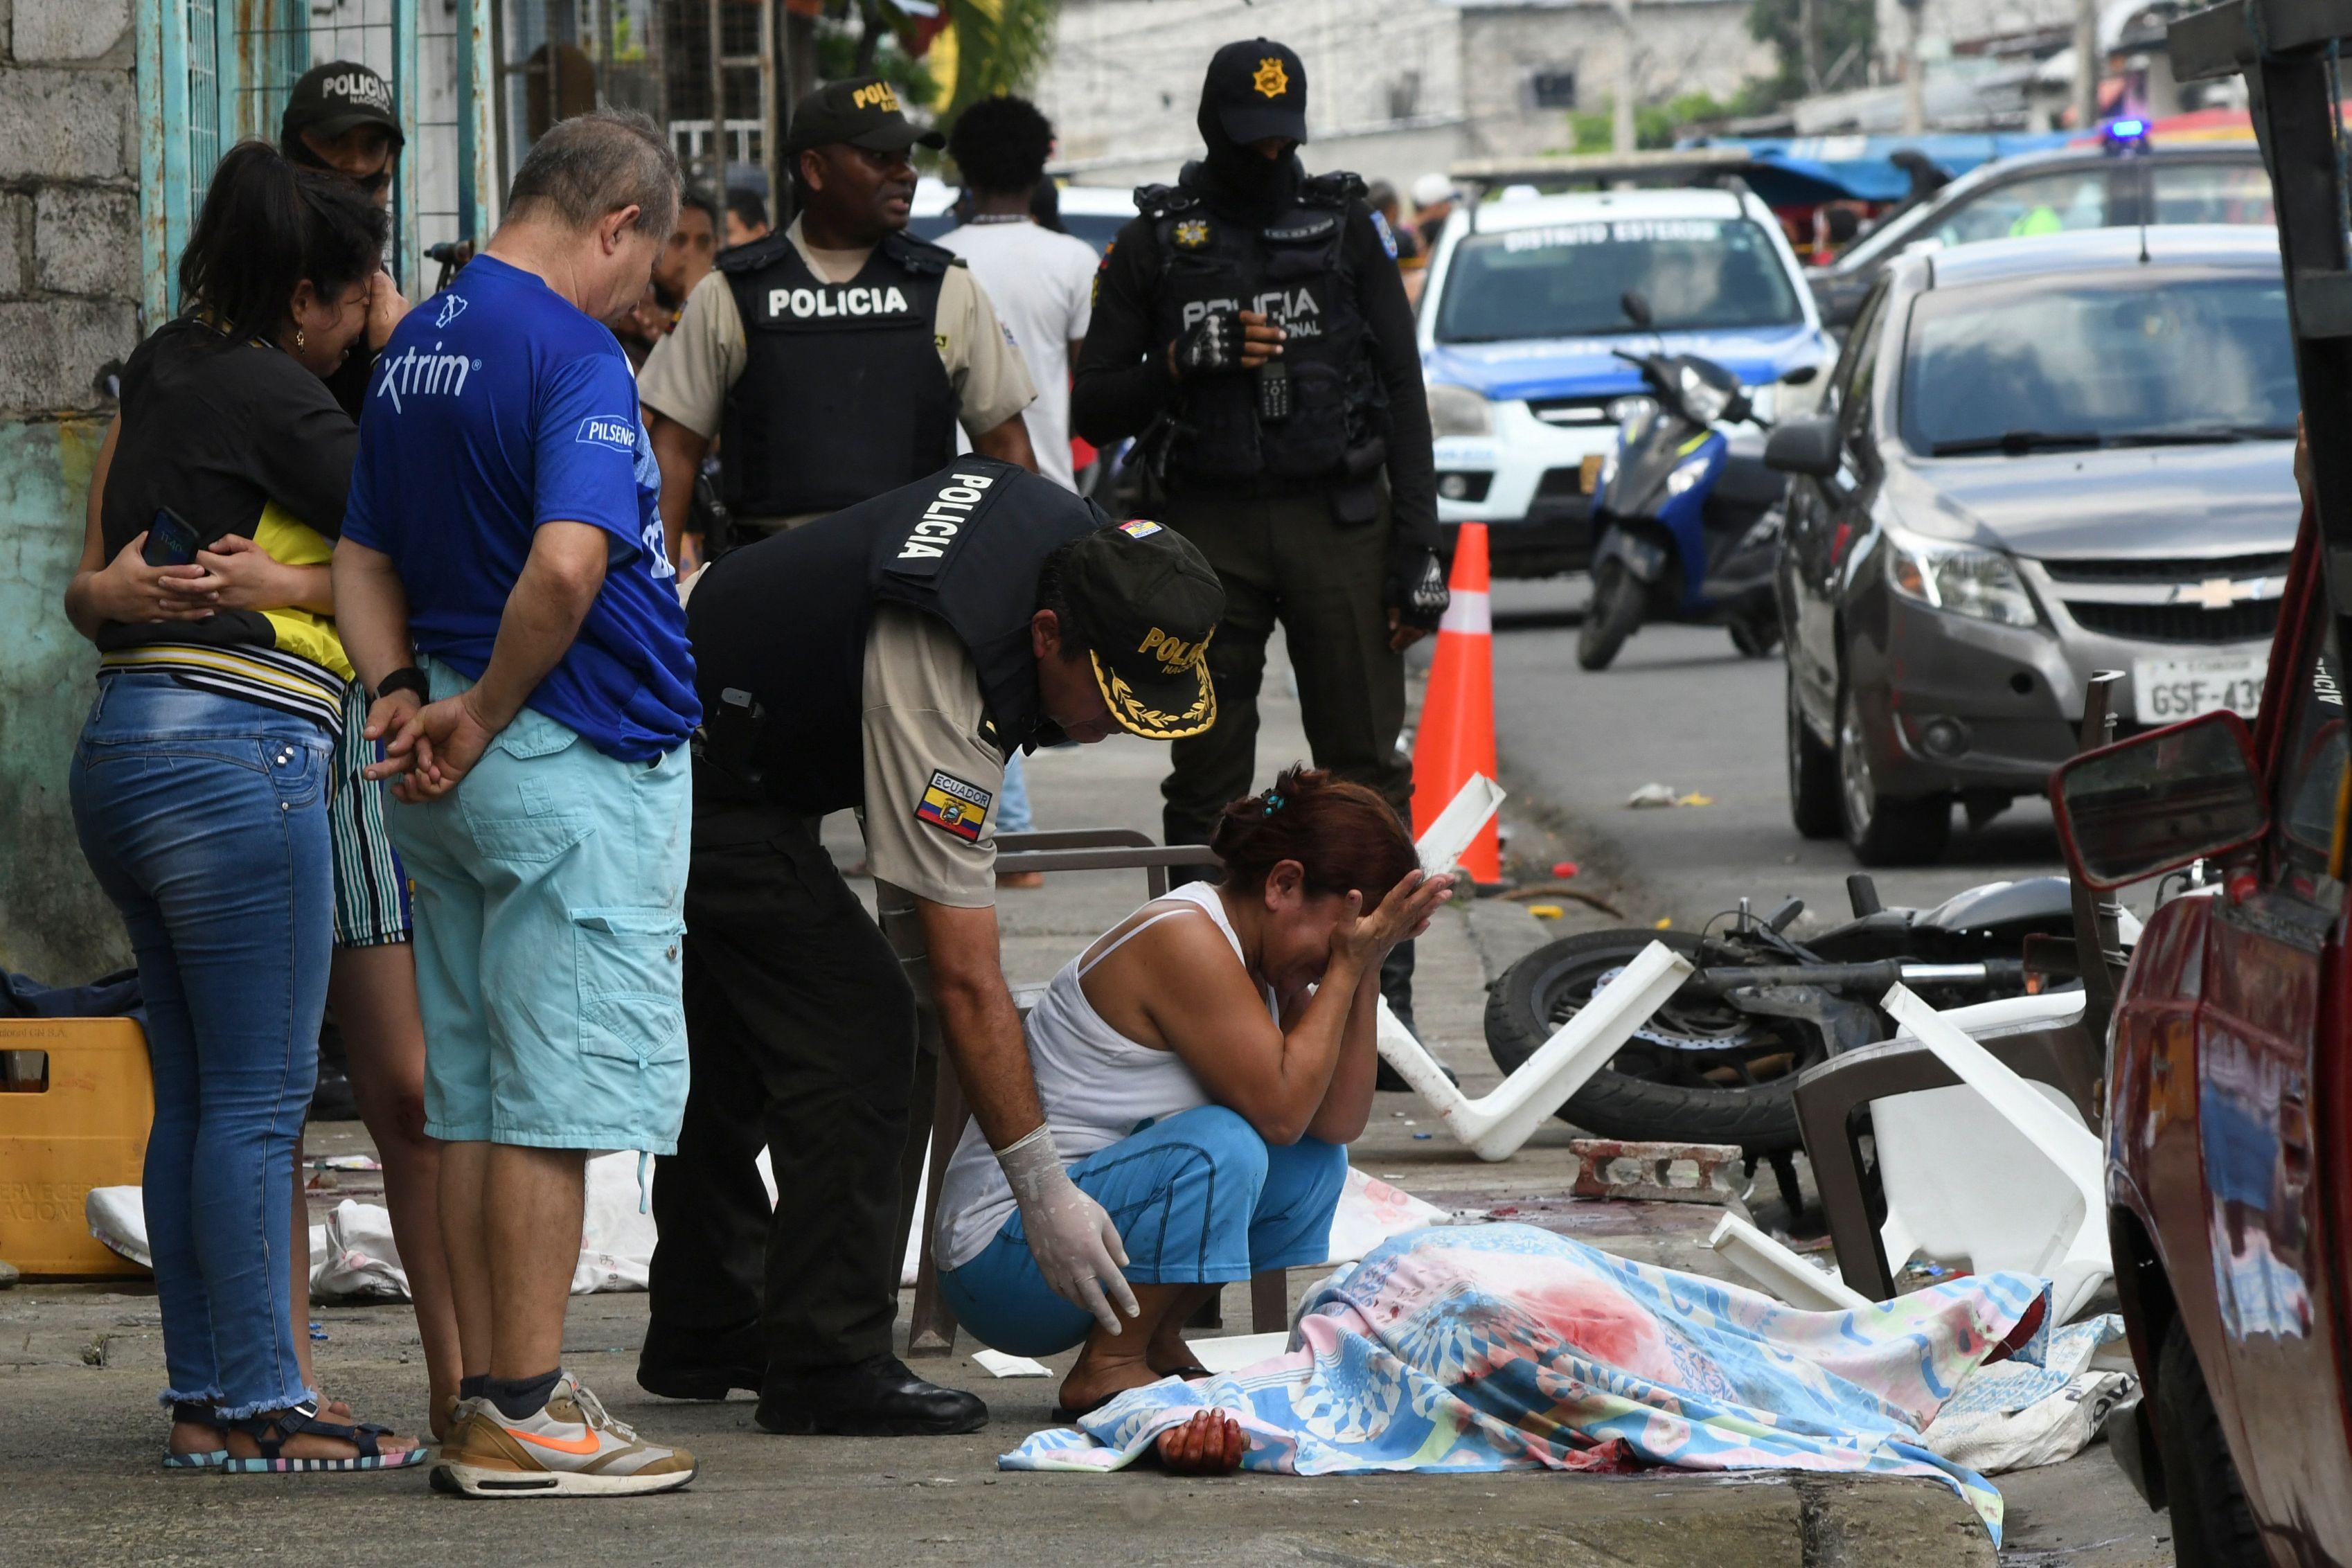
(1012, 800)
(205, 820)
(1199, 1198)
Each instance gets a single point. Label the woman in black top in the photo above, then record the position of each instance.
(199, 785)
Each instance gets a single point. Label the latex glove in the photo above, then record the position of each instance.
(1076, 1248)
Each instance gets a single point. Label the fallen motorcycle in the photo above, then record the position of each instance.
(1719, 1062)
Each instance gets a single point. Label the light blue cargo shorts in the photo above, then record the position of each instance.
(548, 891)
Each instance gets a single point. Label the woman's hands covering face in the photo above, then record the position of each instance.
(1401, 916)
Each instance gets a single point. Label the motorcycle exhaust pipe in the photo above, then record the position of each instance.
(1871, 979)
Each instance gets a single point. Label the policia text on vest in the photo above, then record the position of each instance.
(886, 657)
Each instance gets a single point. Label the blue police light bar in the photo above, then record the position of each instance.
(2126, 130)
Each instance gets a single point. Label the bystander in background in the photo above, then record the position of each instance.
(1042, 283)
(693, 245)
(747, 218)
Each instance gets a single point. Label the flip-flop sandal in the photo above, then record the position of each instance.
(272, 1432)
(204, 1459)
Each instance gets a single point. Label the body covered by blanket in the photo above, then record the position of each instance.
(1504, 1347)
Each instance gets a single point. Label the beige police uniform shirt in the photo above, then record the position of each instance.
(691, 371)
(931, 778)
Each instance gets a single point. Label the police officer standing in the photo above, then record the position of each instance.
(890, 655)
(833, 360)
(1253, 320)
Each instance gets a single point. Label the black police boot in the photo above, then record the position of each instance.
(1396, 989)
(878, 1397)
(703, 1365)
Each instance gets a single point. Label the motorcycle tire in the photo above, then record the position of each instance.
(1615, 615)
(1623, 1100)
(1756, 639)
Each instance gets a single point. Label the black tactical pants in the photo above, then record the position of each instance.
(800, 1029)
(1281, 558)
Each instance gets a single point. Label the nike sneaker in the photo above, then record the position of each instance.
(570, 1448)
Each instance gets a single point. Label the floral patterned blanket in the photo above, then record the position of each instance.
(1505, 1347)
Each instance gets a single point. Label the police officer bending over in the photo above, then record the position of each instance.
(833, 360)
(890, 656)
(1254, 322)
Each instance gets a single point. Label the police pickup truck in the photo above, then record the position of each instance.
(1525, 306)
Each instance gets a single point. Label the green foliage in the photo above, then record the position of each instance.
(1654, 124)
(1001, 46)
(1848, 29)
(839, 46)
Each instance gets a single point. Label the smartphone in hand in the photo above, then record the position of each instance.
(171, 541)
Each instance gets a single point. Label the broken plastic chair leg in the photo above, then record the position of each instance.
(2076, 1259)
(1781, 1272)
(1493, 1126)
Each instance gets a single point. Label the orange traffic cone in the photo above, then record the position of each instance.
(1457, 737)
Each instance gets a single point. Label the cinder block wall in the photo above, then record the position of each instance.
(69, 289)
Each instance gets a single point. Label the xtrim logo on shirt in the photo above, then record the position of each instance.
(944, 518)
(836, 300)
(416, 373)
(609, 430)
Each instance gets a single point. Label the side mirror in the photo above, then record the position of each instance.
(1801, 376)
(2158, 801)
(1804, 447)
(1636, 306)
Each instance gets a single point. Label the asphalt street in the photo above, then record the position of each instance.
(1681, 707)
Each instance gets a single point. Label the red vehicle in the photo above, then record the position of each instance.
(2229, 1163)
(2229, 1074)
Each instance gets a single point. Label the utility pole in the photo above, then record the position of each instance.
(1915, 70)
(1622, 132)
(2086, 64)
(1809, 42)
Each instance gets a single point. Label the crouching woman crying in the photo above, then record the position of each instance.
(1203, 1065)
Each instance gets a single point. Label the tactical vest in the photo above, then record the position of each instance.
(1298, 271)
(843, 395)
(785, 620)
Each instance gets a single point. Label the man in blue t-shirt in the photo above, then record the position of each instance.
(502, 589)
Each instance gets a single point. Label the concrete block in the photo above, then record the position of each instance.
(63, 124)
(51, 351)
(15, 238)
(56, 30)
(86, 241)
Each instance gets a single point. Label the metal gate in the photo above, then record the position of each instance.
(212, 72)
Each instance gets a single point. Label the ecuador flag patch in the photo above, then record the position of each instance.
(954, 806)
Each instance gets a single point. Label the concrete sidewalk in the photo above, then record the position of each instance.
(79, 1364)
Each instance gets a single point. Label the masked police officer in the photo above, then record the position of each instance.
(888, 657)
(1253, 320)
(833, 360)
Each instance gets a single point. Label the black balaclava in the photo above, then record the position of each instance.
(1233, 177)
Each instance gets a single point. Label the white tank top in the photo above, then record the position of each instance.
(1094, 1082)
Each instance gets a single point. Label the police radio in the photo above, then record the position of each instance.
(1273, 392)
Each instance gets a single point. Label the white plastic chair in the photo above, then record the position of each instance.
(1494, 1125)
(1780, 1271)
(2000, 1173)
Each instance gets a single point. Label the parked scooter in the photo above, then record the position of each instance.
(1718, 1063)
(1688, 518)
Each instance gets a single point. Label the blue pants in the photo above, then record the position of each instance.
(205, 820)
(1012, 800)
(1199, 1198)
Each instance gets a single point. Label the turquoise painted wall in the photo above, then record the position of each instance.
(55, 924)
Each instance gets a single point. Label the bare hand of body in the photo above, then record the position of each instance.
(1211, 1443)
(1402, 915)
